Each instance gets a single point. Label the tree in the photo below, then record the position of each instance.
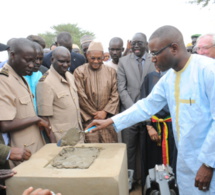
(73, 29)
(203, 2)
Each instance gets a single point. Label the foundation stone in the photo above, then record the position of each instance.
(107, 175)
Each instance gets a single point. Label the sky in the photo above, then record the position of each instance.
(106, 19)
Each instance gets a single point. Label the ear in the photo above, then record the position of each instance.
(12, 54)
(52, 59)
(123, 49)
(174, 47)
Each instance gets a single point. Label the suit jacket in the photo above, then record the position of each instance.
(4, 151)
(129, 80)
(76, 60)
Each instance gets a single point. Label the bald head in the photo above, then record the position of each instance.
(168, 34)
(139, 44)
(61, 60)
(22, 56)
(116, 49)
(9, 42)
(168, 49)
(21, 44)
(60, 51)
(141, 36)
(65, 39)
(116, 40)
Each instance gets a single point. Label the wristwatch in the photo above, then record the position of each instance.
(208, 166)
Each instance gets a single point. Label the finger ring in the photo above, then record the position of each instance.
(204, 187)
(153, 138)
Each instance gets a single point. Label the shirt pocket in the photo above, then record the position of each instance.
(64, 99)
(26, 107)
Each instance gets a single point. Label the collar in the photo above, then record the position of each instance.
(18, 78)
(184, 68)
(12, 71)
(58, 75)
(143, 57)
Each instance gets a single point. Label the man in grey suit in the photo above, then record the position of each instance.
(130, 75)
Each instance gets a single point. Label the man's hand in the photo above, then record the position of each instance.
(128, 44)
(203, 178)
(38, 191)
(44, 125)
(19, 154)
(100, 124)
(100, 114)
(5, 174)
(153, 134)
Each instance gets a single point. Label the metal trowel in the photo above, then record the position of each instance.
(71, 138)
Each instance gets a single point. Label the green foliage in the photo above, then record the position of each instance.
(49, 38)
(204, 3)
(73, 29)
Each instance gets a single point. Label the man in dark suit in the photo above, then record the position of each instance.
(130, 75)
(65, 39)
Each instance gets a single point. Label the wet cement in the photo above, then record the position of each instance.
(75, 158)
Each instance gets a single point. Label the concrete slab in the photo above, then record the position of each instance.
(106, 176)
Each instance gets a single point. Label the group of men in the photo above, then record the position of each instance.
(40, 109)
(188, 89)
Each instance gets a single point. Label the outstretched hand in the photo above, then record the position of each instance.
(100, 124)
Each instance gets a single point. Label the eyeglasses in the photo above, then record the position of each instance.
(204, 48)
(155, 53)
(139, 43)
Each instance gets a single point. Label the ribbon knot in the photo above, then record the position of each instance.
(164, 132)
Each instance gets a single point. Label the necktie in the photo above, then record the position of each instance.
(140, 66)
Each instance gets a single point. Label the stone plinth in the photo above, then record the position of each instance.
(106, 176)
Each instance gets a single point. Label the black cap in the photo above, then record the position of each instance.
(3, 47)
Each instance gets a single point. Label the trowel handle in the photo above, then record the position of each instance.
(88, 130)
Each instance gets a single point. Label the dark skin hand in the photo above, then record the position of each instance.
(100, 124)
(100, 114)
(49, 132)
(153, 134)
(128, 48)
(19, 124)
(5, 174)
(19, 154)
(203, 178)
